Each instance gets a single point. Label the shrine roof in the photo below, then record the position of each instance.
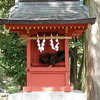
(59, 12)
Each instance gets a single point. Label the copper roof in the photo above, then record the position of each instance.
(49, 13)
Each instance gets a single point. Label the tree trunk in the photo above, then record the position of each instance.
(73, 66)
(93, 52)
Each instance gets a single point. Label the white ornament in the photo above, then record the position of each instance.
(41, 45)
(51, 43)
(56, 47)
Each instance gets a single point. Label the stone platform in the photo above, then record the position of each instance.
(75, 95)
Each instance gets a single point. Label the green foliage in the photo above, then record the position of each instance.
(5, 5)
(76, 42)
(14, 55)
(12, 90)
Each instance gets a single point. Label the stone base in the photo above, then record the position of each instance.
(75, 95)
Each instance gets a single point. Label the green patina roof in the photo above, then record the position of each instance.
(49, 12)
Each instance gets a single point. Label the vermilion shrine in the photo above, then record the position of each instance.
(46, 20)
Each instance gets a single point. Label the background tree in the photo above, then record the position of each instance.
(76, 52)
(13, 52)
(93, 51)
(13, 58)
(5, 5)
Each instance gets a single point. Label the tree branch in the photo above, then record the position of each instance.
(3, 67)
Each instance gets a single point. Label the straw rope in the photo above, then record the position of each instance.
(48, 37)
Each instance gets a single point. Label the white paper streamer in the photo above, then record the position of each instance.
(41, 45)
(56, 47)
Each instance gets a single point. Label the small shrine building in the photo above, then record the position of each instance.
(38, 20)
